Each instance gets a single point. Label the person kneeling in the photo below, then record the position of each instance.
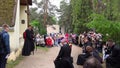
(64, 59)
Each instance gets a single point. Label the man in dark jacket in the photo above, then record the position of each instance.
(29, 42)
(90, 51)
(113, 60)
(64, 59)
(6, 52)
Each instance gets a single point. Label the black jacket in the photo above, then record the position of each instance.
(114, 59)
(64, 59)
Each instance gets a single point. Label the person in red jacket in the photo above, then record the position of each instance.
(49, 41)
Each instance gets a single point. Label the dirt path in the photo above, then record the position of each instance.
(42, 59)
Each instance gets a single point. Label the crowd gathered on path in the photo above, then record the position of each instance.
(94, 48)
(95, 51)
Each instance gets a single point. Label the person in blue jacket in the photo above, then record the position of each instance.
(6, 46)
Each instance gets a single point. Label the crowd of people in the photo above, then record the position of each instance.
(91, 43)
(55, 39)
(95, 51)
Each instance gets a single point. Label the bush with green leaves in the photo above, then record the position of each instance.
(104, 26)
(39, 27)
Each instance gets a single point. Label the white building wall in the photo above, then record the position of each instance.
(14, 35)
(23, 16)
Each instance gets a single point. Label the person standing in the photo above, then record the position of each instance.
(6, 46)
(33, 40)
(112, 61)
(28, 43)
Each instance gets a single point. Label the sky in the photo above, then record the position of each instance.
(57, 2)
(54, 2)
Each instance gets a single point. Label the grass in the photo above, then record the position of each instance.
(42, 48)
(12, 64)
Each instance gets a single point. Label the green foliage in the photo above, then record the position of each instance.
(37, 13)
(80, 15)
(40, 17)
(102, 15)
(39, 27)
(43, 48)
(81, 10)
(104, 26)
(51, 20)
(65, 19)
(74, 15)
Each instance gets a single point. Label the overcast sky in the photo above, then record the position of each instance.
(55, 2)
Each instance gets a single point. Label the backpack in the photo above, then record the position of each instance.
(24, 34)
(2, 47)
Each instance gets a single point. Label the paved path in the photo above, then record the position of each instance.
(42, 59)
